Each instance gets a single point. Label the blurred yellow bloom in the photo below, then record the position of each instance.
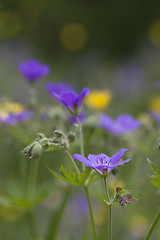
(154, 104)
(154, 33)
(9, 107)
(98, 100)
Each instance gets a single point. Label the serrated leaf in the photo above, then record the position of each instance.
(57, 175)
(92, 177)
(83, 177)
(156, 181)
(155, 169)
(73, 178)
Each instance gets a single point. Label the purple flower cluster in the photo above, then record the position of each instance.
(123, 124)
(101, 162)
(32, 70)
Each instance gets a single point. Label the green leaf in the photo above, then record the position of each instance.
(156, 181)
(155, 169)
(57, 175)
(83, 177)
(73, 178)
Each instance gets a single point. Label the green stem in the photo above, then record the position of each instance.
(153, 225)
(110, 210)
(32, 182)
(91, 212)
(81, 139)
(32, 224)
(81, 136)
(106, 187)
(73, 162)
(110, 223)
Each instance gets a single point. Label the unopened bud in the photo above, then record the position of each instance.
(36, 151)
(58, 133)
(71, 137)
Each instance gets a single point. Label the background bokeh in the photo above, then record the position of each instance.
(102, 44)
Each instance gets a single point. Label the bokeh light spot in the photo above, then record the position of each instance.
(10, 213)
(73, 36)
(154, 104)
(98, 100)
(10, 25)
(154, 33)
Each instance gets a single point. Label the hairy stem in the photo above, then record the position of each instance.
(73, 162)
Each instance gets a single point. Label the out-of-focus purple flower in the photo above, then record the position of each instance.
(123, 124)
(57, 88)
(80, 116)
(14, 118)
(71, 100)
(101, 162)
(32, 70)
(157, 84)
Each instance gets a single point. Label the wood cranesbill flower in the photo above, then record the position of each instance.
(71, 100)
(57, 88)
(32, 70)
(101, 162)
(123, 124)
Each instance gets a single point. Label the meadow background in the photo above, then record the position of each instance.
(111, 45)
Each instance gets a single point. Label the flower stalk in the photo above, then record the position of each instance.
(153, 225)
(91, 213)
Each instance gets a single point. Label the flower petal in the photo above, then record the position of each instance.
(120, 163)
(82, 159)
(94, 158)
(115, 158)
(82, 94)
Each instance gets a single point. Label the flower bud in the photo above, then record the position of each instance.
(71, 137)
(36, 151)
(58, 133)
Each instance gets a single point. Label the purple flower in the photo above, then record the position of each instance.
(32, 70)
(57, 88)
(71, 100)
(123, 124)
(101, 162)
(14, 118)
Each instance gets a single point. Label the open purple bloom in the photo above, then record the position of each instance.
(32, 70)
(57, 88)
(71, 100)
(123, 124)
(101, 162)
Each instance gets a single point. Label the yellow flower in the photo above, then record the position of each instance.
(98, 100)
(154, 104)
